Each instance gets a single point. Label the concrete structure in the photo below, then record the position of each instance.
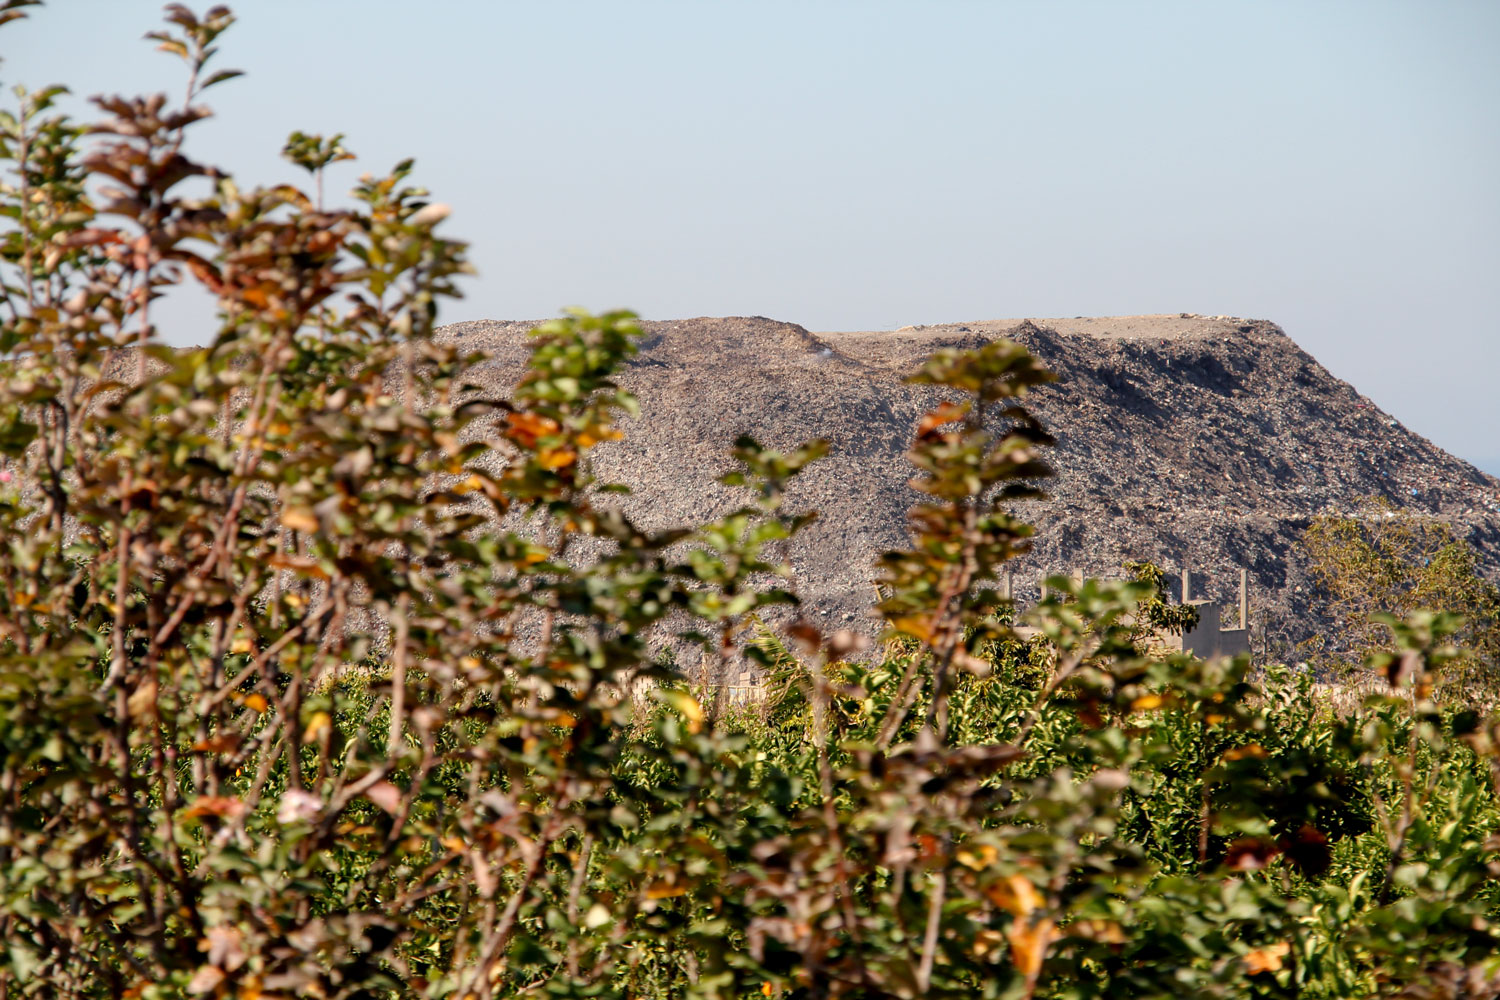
(1206, 639)
(1209, 637)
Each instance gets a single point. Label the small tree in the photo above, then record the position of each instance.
(1389, 562)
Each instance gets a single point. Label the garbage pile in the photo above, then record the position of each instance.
(1210, 441)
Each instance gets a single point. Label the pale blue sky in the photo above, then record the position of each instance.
(1332, 166)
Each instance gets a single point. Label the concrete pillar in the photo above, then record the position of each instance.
(1244, 598)
(1187, 584)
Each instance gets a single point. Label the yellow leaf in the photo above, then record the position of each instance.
(1146, 702)
(1254, 750)
(242, 644)
(553, 459)
(664, 890)
(687, 706)
(589, 438)
(987, 941)
(979, 858)
(316, 725)
(916, 625)
(257, 702)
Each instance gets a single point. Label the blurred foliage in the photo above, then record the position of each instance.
(1390, 562)
(327, 672)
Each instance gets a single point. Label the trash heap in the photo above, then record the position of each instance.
(1182, 439)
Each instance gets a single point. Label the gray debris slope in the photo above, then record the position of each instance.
(1209, 441)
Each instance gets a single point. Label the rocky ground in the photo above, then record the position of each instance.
(1183, 439)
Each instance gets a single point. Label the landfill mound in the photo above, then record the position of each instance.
(1191, 440)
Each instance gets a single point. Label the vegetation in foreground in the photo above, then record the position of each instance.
(326, 676)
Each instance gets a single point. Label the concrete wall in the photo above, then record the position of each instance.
(1208, 638)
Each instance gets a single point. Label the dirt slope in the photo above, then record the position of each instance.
(1210, 440)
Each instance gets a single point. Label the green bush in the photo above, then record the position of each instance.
(327, 673)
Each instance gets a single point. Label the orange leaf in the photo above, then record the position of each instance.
(946, 413)
(525, 428)
(91, 237)
(1028, 944)
(216, 805)
(1267, 959)
(217, 744)
(1016, 894)
(299, 519)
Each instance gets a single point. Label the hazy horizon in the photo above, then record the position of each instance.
(848, 166)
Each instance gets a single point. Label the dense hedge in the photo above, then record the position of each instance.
(324, 673)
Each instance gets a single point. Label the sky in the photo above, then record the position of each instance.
(1331, 166)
